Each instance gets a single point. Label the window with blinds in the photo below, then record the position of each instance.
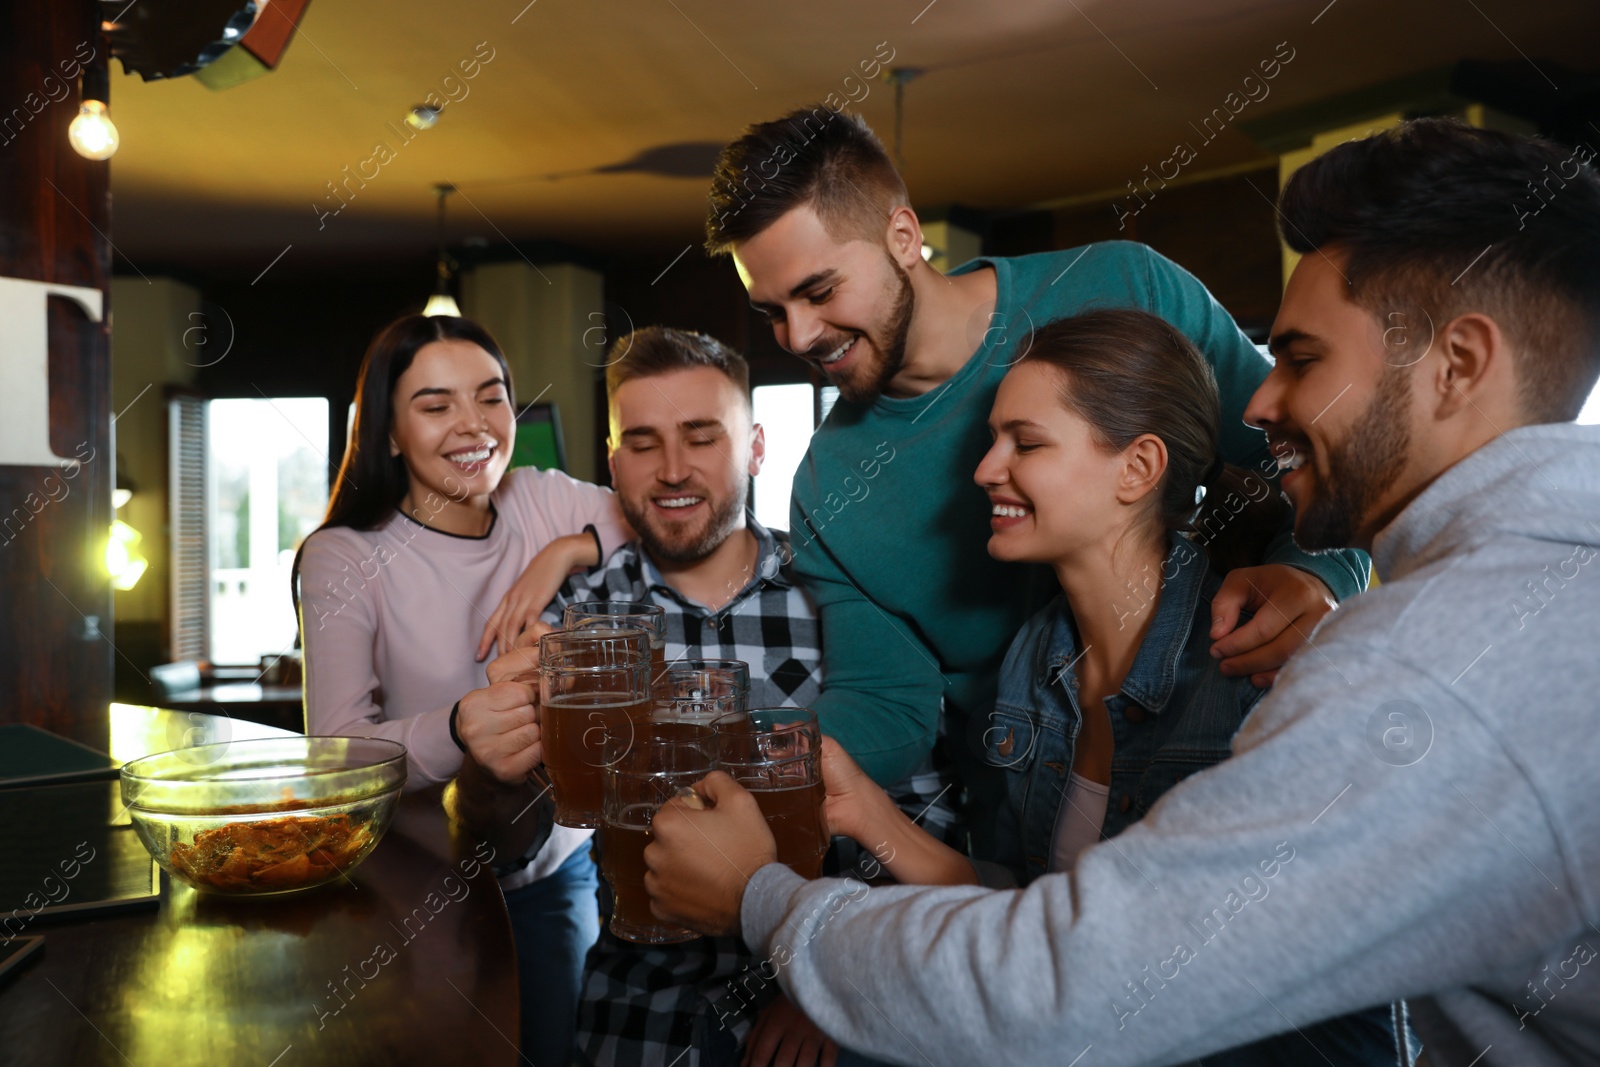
(249, 482)
(189, 524)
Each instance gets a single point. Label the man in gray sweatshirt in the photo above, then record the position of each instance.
(1412, 812)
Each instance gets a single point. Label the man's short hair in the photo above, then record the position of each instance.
(659, 349)
(1443, 218)
(829, 159)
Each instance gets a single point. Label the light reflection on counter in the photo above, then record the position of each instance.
(137, 730)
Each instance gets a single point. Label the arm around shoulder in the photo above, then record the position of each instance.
(569, 504)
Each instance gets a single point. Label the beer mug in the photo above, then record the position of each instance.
(651, 618)
(664, 758)
(594, 688)
(776, 753)
(688, 693)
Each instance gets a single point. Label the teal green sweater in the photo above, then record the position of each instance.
(890, 531)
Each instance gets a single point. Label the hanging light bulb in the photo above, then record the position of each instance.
(441, 302)
(93, 135)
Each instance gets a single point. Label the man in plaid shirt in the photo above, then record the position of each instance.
(683, 448)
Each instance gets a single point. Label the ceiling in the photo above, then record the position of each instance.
(1021, 102)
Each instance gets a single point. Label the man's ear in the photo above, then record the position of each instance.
(611, 461)
(1144, 461)
(904, 234)
(1474, 368)
(758, 448)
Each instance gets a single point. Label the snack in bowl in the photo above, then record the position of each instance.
(256, 818)
(284, 853)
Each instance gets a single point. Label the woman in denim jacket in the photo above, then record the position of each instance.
(1105, 442)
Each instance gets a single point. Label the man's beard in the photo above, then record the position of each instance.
(891, 348)
(684, 546)
(1361, 468)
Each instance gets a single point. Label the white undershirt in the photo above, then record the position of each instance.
(1078, 820)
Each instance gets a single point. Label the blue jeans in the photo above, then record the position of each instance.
(553, 922)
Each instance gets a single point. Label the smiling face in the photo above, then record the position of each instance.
(845, 306)
(1053, 489)
(1338, 409)
(452, 428)
(682, 452)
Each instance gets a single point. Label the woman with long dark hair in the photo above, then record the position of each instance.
(426, 534)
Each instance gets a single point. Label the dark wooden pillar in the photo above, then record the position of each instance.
(55, 225)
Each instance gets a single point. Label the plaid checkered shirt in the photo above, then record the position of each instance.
(692, 1004)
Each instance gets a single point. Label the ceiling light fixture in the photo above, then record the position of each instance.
(92, 134)
(442, 303)
(422, 117)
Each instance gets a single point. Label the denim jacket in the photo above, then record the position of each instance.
(1175, 714)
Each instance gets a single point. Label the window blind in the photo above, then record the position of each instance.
(188, 524)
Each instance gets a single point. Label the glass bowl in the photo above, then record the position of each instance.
(262, 818)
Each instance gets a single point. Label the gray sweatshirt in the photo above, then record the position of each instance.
(1412, 812)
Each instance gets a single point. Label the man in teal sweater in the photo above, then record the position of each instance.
(889, 529)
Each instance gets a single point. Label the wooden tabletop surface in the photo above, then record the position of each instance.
(411, 961)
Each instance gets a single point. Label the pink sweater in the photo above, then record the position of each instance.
(391, 618)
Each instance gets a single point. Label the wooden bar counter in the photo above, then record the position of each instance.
(411, 961)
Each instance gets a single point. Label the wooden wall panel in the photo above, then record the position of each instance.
(55, 221)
